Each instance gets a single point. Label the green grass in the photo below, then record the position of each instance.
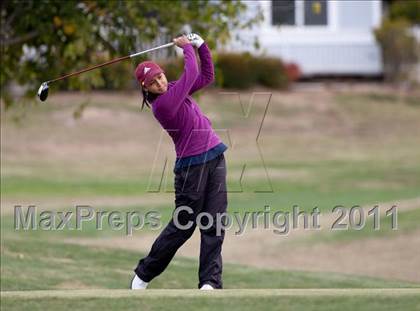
(35, 264)
(371, 158)
(35, 187)
(225, 300)
(331, 187)
(328, 183)
(408, 222)
(379, 98)
(87, 228)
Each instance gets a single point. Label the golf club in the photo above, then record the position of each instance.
(43, 89)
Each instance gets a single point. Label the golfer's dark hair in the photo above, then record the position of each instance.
(146, 101)
(147, 98)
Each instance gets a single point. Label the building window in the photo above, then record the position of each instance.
(283, 12)
(316, 12)
(299, 13)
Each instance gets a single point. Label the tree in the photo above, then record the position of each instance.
(45, 39)
(398, 42)
(408, 10)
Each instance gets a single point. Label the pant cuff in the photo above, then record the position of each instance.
(142, 276)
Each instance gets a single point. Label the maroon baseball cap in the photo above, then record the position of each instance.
(146, 71)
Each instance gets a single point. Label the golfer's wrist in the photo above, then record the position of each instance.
(189, 45)
(202, 46)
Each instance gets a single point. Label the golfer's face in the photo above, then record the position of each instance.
(159, 84)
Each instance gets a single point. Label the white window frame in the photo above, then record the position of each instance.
(300, 18)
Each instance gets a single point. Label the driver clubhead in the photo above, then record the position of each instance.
(43, 91)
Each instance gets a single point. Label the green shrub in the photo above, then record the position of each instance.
(236, 70)
(244, 70)
(118, 76)
(399, 49)
(173, 68)
(240, 71)
(408, 10)
(270, 72)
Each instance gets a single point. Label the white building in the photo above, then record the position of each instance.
(324, 37)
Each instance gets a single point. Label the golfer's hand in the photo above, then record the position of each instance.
(195, 39)
(181, 41)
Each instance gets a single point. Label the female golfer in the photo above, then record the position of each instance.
(200, 168)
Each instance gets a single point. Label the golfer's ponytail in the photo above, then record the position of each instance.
(146, 101)
(148, 98)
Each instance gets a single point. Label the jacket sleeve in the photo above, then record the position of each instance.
(206, 75)
(168, 103)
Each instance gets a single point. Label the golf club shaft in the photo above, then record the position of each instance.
(152, 49)
(111, 62)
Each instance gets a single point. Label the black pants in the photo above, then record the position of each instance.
(203, 189)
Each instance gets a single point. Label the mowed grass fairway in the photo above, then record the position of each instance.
(322, 145)
(238, 299)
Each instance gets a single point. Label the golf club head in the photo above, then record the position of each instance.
(43, 91)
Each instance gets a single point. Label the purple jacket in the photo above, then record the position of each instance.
(177, 111)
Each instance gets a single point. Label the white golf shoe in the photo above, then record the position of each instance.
(206, 287)
(137, 283)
